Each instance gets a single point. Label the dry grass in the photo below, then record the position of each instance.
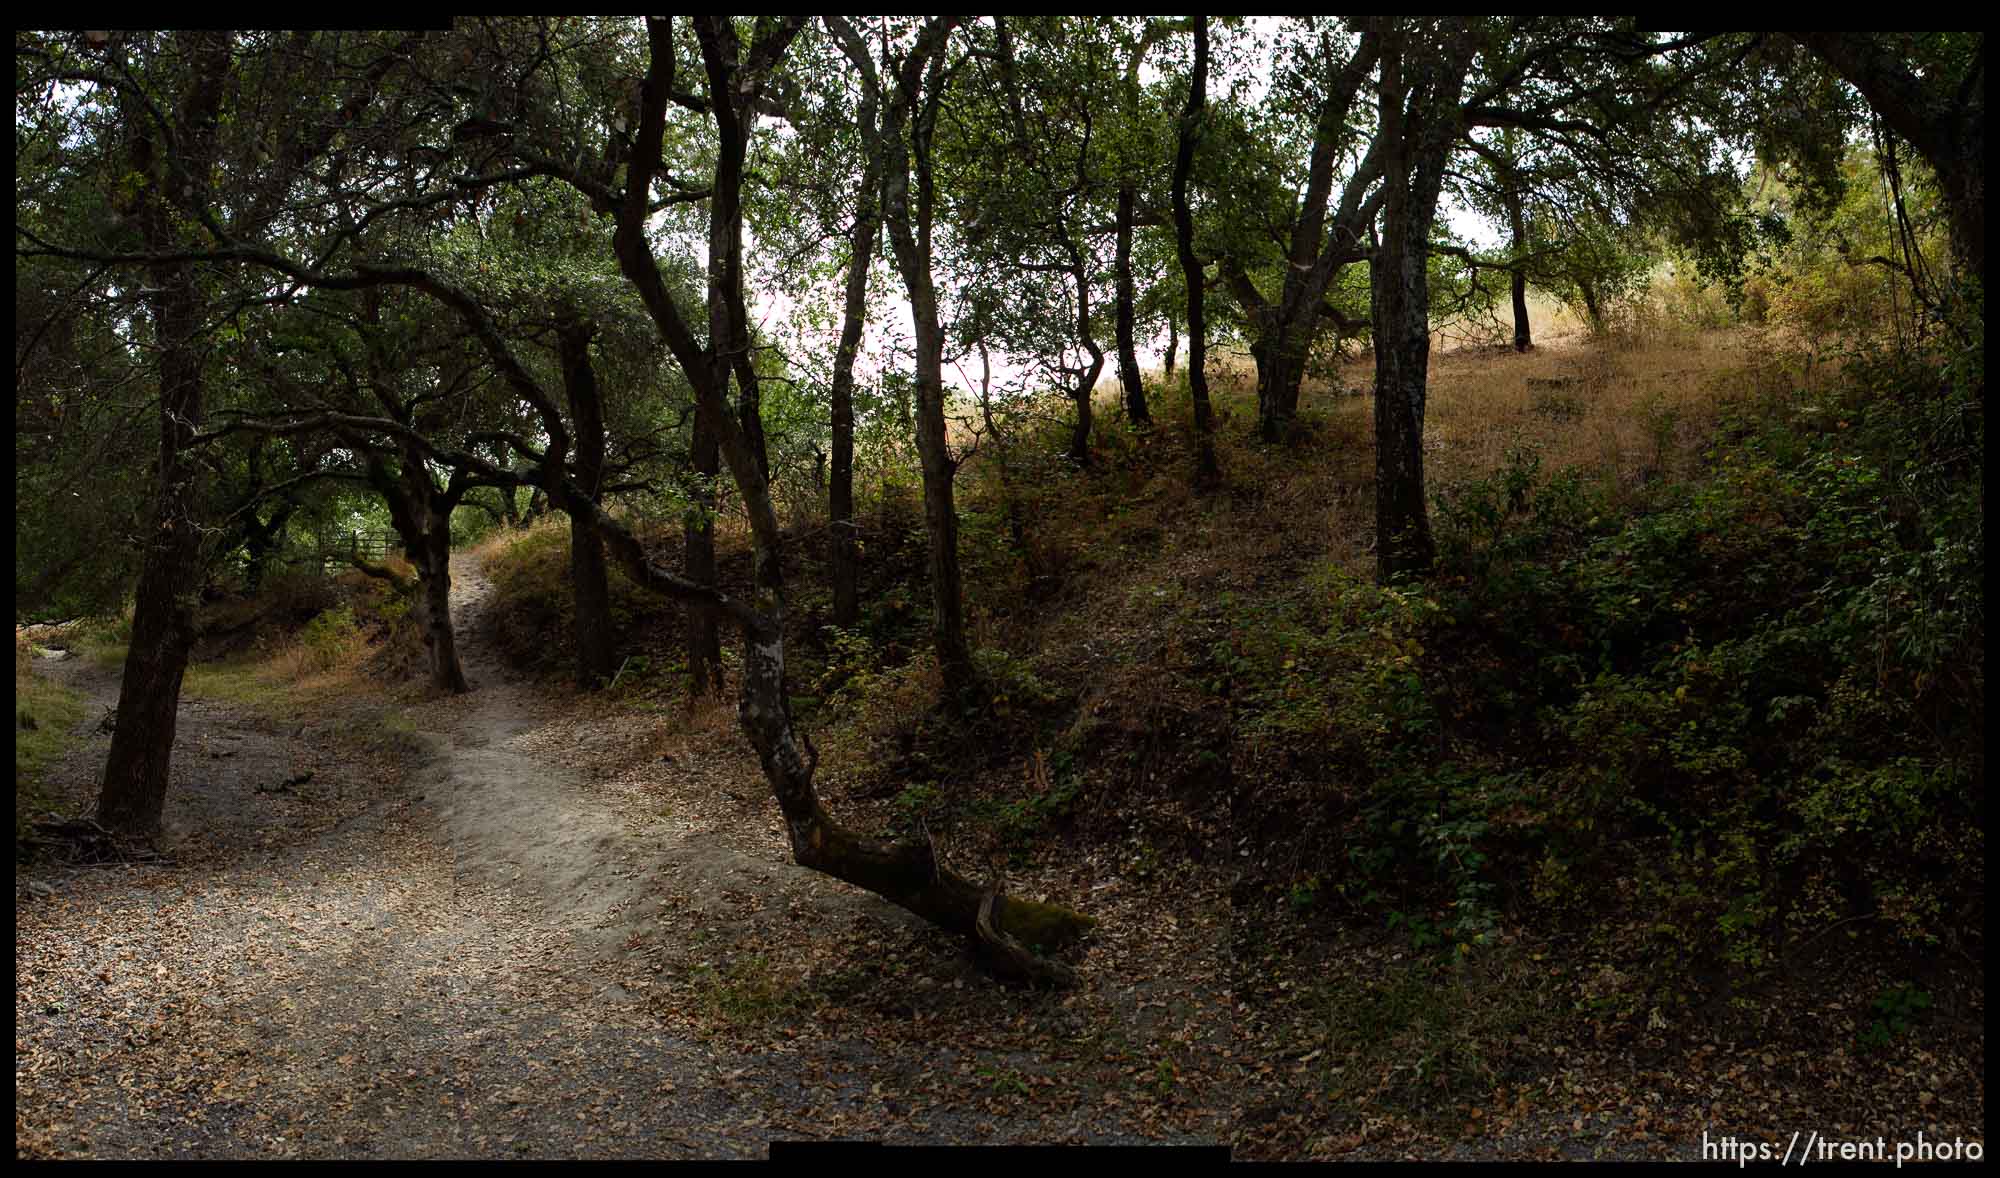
(497, 542)
(1625, 409)
(290, 667)
(286, 678)
(1144, 548)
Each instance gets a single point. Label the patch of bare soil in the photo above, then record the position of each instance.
(524, 932)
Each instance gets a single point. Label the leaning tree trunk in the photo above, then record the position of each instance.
(1128, 352)
(1012, 934)
(907, 874)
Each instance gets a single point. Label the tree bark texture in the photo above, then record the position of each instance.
(590, 588)
(1517, 224)
(704, 639)
(854, 316)
(1422, 78)
(138, 767)
(1136, 410)
(1207, 473)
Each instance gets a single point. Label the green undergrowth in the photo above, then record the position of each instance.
(300, 637)
(532, 611)
(1420, 1036)
(46, 714)
(1698, 725)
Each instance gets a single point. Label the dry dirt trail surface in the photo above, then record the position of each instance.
(450, 944)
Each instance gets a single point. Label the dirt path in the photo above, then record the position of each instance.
(451, 944)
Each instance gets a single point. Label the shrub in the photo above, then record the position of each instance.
(1754, 701)
(329, 639)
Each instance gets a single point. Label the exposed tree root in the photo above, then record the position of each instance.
(1006, 955)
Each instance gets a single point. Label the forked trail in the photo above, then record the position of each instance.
(463, 948)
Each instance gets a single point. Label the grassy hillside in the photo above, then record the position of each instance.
(1682, 736)
(1697, 680)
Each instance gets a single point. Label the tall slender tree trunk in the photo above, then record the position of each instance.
(1207, 473)
(918, 82)
(704, 642)
(1086, 383)
(1173, 344)
(1524, 335)
(854, 317)
(840, 502)
(954, 652)
(589, 584)
(1128, 352)
(139, 765)
(1524, 338)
